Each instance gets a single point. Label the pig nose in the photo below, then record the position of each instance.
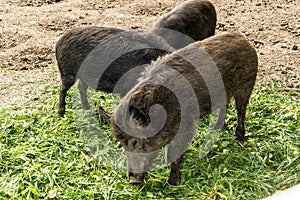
(135, 181)
(136, 178)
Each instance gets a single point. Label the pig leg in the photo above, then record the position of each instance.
(66, 84)
(241, 102)
(175, 175)
(82, 87)
(221, 119)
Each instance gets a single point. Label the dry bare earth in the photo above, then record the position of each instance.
(29, 30)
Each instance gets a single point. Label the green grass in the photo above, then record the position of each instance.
(44, 157)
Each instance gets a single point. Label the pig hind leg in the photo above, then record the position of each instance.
(241, 101)
(82, 87)
(221, 119)
(66, 83)
(175, 174)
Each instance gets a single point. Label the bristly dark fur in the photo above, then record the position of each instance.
(75, 45)
(196, 19)
(237, 63)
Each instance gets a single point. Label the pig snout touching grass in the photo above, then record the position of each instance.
(74, 47)
(194, 18)
(159, 110)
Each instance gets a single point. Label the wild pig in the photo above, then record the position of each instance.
(213, 70)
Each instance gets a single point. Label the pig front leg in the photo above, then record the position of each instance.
(175, 175)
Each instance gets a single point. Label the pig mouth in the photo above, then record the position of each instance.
(136, 178)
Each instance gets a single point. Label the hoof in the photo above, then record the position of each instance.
(174, 182)
(174, 179)
(240, 138)
(61, 113)
(240, 134)
(86, 106)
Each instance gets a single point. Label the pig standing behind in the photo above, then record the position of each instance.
(194, 18)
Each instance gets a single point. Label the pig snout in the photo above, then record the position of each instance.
(136, 178)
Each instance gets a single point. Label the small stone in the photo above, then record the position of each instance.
(258, 4)
(283, 72)
(258, 42)
(284, 23)
(221, 25)
(295, 47)
(135, 27)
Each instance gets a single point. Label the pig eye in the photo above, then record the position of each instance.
(134, 143)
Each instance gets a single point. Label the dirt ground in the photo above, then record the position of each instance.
(29, 30)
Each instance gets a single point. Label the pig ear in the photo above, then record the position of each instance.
(104, 115)
(139, 116)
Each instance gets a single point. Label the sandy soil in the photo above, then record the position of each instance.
(29, 30)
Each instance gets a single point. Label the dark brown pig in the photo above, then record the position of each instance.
(177, 90)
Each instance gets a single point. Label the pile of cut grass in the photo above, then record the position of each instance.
(43, 156)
